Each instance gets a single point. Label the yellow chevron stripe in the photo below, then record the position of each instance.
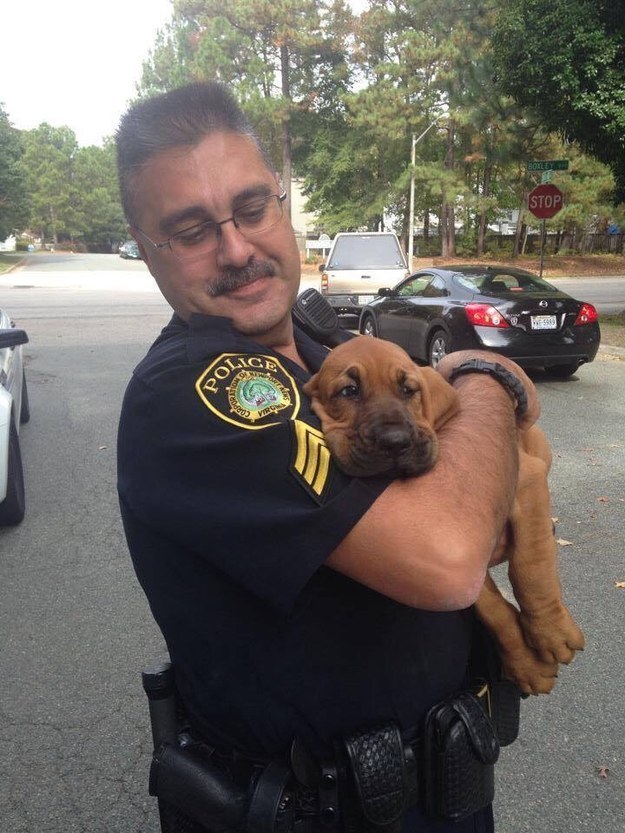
(312, 461)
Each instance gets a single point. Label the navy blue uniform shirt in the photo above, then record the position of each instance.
(231, 505)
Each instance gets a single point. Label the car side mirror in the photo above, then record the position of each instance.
(386, 292)
(12, 337)
(322, 267)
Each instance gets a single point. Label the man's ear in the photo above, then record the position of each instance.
(439, 398)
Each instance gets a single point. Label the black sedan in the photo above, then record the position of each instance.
(510, 311)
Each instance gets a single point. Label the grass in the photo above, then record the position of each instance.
(613, 329)
(9, 259)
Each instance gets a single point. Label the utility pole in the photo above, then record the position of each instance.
(415, 142)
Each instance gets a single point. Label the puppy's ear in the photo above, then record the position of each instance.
(440, 400)
(310, 388)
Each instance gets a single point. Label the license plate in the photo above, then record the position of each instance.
(365, 299)
(544, 322)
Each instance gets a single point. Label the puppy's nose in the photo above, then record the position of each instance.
(393, 439)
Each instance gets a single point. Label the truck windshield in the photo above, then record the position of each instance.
(366, 252)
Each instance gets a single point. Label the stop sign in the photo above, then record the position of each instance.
(545, 201)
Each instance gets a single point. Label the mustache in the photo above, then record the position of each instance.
(231, 277)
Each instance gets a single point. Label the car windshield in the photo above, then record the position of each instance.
(496, 281)
(366, 252)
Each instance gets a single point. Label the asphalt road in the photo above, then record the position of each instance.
(74, 736)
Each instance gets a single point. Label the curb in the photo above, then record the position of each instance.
(618, 352)
(14, 266)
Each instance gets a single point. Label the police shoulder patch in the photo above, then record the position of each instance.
(254, 391)
(249, 390)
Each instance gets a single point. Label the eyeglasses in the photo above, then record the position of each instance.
(252, 218)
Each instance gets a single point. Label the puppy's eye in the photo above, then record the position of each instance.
(349, 392)
(408, 392)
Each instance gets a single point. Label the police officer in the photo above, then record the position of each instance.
(296, 602)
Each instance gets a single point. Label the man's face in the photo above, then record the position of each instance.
(253, 281)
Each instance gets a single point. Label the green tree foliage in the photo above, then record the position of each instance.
(427, 73)
(13, 194)
(170, 62)
(341, 96)
(99, 219)
(566, 60)
(282, 57)
(74, 196)
(48, 158)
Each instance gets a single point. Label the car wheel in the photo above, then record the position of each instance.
(440, 344)
(25, 408)
(13, 506)
(368, 326)
(562, 371)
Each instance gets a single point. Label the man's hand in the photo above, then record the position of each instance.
(452, 360)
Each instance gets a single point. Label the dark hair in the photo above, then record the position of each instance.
(177, 118)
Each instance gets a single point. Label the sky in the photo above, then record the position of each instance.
(75, 63)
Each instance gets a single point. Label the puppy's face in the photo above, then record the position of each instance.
(379, 411)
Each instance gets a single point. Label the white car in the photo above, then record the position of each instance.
(14, 411)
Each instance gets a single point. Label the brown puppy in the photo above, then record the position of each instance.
(380, 412)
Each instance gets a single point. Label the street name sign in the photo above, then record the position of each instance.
(551, 165)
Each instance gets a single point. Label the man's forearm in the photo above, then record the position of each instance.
(478, 451)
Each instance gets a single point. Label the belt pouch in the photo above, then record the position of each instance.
(376, 759)
(460, 748)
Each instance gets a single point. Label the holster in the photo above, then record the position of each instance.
(197, 794)
(197, 788)
(181, 778)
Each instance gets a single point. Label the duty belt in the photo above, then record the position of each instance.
(375, 775)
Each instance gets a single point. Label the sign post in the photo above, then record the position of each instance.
(544, 201)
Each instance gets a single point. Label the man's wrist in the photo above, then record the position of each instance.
(497, 371)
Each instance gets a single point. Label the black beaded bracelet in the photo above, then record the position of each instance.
(511, 383)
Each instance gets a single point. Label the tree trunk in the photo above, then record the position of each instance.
(448, 225)
(519, 227)
(286, 125)
(55, 238)
(481, 231)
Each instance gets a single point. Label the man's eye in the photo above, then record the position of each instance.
(252, 213)
(349, 391)
(195, 234)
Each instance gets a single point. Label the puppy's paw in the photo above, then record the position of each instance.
(554, 636)
(528, 672)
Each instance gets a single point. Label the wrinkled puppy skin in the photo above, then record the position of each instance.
(379, 411)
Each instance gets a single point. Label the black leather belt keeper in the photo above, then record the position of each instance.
(378, 768)
(271, 801)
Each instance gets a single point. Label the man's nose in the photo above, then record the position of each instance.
(234, 248)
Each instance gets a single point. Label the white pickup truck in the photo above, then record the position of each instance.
(359, 264)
